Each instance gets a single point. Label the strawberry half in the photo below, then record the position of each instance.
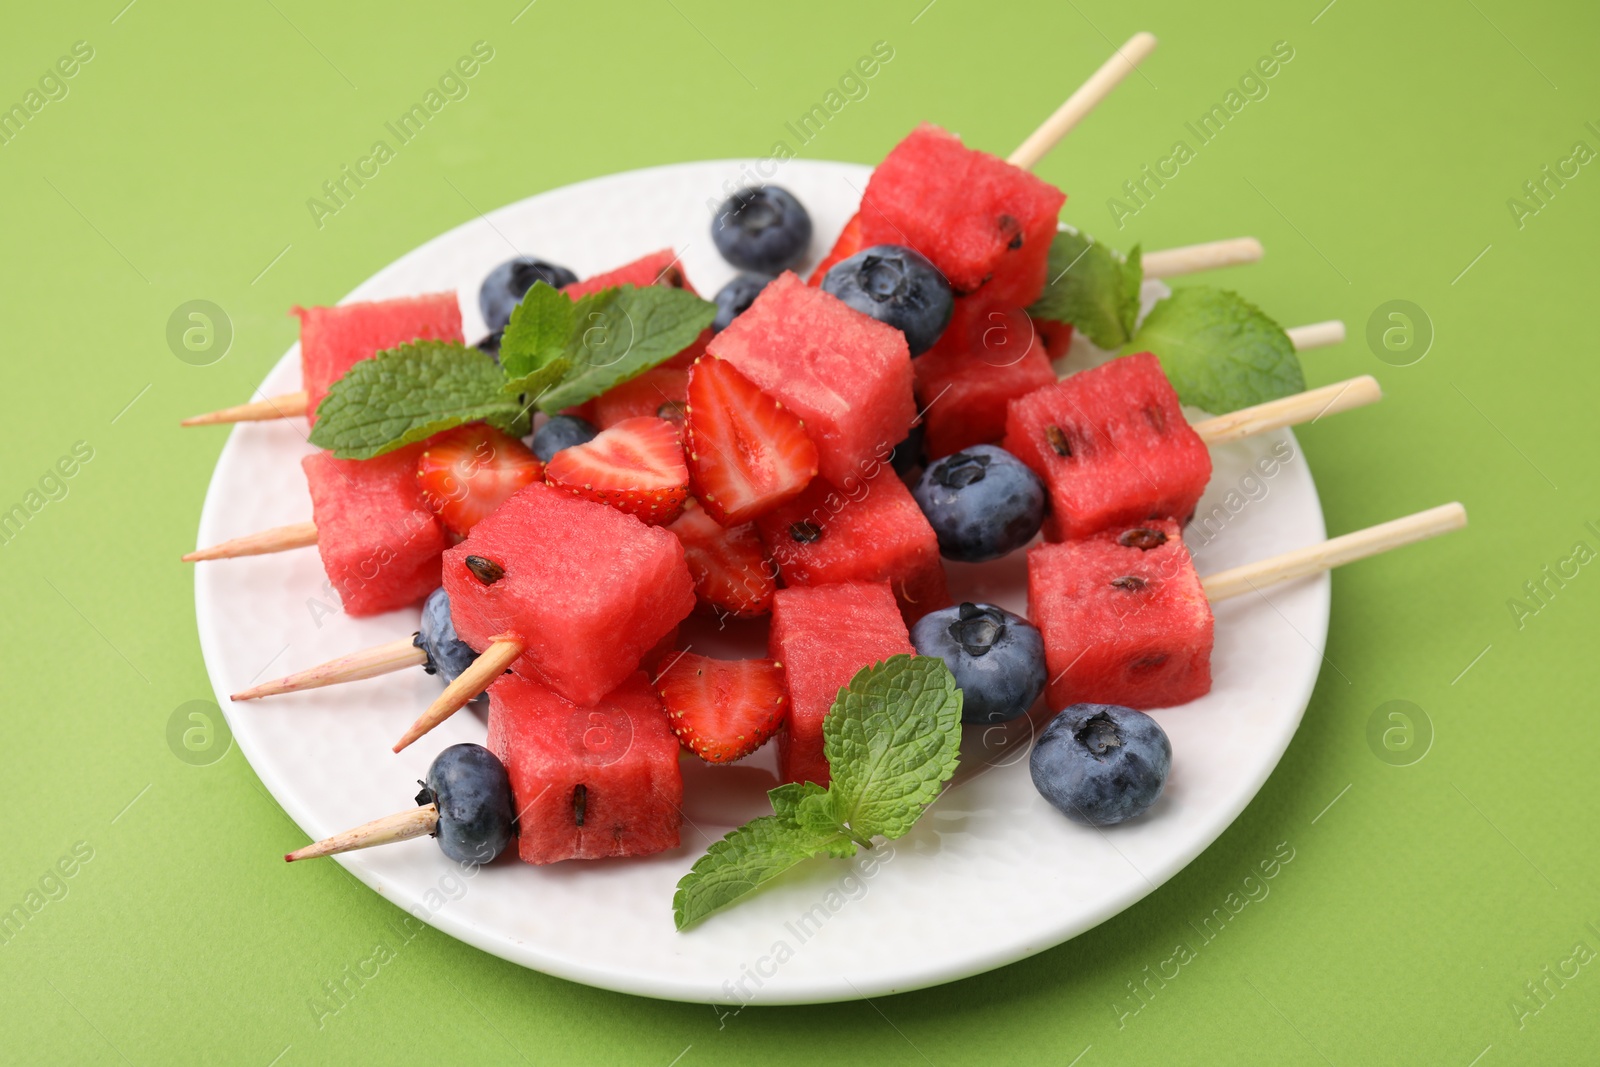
(723, 710)
(747, 452)
(468, 472)
(635, 466)
(729, 566)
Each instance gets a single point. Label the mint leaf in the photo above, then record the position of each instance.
(536, 383)
(756, 852)
(892, 740)
(619, 334)
(1220, 352)
(405, 394)
(538, 332)
(1091, 287)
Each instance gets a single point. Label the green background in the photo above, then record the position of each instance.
(1417, 905)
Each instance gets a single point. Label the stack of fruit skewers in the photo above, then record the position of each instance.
(493, 578)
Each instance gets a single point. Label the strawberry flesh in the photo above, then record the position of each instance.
(723, 710)
(635, 465)
(729, 565)
(747, 452)
(468, 472)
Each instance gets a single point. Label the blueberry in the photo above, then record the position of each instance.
(997, 658)
(561, 431)
(982, 502)
(734, 298)
(896, 286)
(473, 792)
(907, 455)
(508, 283)
(1100, 763)
(448, 655)
(762, 229)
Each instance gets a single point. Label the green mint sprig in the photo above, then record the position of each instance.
(1092, 287)
(892, 740)
(555, 353)
(407, 393)
(1220, 352)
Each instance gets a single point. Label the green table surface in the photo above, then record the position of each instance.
(1441, 905)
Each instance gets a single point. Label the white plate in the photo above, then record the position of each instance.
(990, 875)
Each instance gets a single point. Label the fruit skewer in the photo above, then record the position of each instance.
(1272, 415)
(1126, 620)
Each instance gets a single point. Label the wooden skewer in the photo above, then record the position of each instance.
(1191, 259)
(401, 826)
(277, 539)
(368, 663)
(1316, 335)
(283, 406)
(1080, 103)
(1335, 552)
(489, 665)
(1308, 406)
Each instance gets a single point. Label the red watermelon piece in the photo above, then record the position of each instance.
(988, 356)
(846, 375)
(1112, 446)
(1124, 618)
(848, 244)
(823, 635)
(380, 542)
(983, 222)
(876, 533)
(1057, 336)
(587, 588)
(587, 783)
(334, 339)
(658, 268)
(662, 392)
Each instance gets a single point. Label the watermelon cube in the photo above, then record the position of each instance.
(874, 533)
(1124, 618)
(662, 391)
(847, 245)
(983, 222)
(658, 268)
(587, 783)
(823, 635)
(332, 340)
(588, 589)
(987, 357)
(380, 542)
(1112, 446)
(846, 375)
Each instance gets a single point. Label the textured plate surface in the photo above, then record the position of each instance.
(991, 874)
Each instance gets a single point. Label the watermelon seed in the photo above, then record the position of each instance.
(486, 571)
(1142, 538)
(805, 531)
(672, 411)
(1156, 418)
(1058, 441)
(1130, 582)
(580, 801)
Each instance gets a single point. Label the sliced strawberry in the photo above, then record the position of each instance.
(467, 472)
(747, 452)
(635, 466)
(729, 566)
(848, 244)
(662, 392)
(723, 710)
